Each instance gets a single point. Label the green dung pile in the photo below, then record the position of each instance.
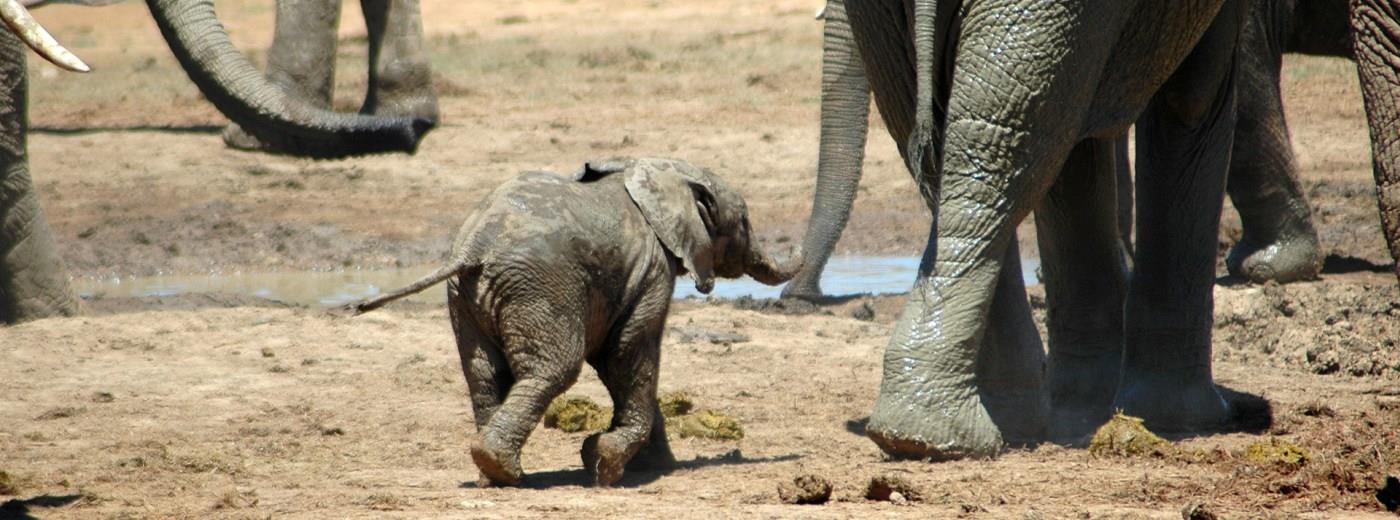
(705, 424)
(580, 414)
(1275, 450)
(576, 414)
(1125, 436)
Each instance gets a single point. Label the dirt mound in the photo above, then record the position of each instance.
(1349, 326)
(805, 489)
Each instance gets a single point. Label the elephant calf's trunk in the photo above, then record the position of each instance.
(762, 267)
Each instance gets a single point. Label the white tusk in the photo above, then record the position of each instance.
(34, 35)
(821, 13)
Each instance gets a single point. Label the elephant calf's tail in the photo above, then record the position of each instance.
(425, 282)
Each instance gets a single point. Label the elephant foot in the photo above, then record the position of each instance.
(1021, 417)
(1296, 256)
(653, 457)
(1182, 400)
(803, 288)
(605, 455)
(933, 425)
(1081, 393)
(238, 139)
(498, 467)
(415, 105)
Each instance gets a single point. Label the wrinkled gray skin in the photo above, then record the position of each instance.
(302, 61)
(33, 282)
(1029, 121)
(550, 272)
(1279, 241)
(1086, 349)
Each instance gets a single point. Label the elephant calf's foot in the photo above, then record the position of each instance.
(933, 425)
(652, 458)
(1298, 257)
(1182, 400)
(605, 455)
(498, 467)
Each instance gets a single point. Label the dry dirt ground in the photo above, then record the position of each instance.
(220, 406)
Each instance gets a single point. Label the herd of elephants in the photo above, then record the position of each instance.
(998, 107)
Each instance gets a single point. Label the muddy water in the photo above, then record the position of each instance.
(844, 275)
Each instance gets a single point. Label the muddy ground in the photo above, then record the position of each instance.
(227, 406)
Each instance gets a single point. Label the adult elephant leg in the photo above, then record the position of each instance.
(994, 169)
(33, 282)
(301, 59)
(1279, 241)
(845, 116)
(1085, 284)
(1011, 366)
(1376, 30)
(1184, 139)
(400, 78)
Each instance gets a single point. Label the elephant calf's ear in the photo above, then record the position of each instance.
(672, 206)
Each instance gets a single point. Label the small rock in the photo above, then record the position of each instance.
(1197, 511)
(103, 397)
(887, 487)
(805, 489)
(1389, 496)
(865, 312)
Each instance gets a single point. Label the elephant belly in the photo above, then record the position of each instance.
(1156, 38)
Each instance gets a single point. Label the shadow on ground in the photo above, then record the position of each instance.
(580, 477)
(19, 508)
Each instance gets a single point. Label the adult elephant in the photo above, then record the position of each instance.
(301, 60)
(283, 119)
(1028, 121)
(33, 283)
(1279, 242)
(287, 111)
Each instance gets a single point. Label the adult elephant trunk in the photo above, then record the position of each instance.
(762, 267)
(845, 116)
(33, 282)
(1375, 26)
(261, 108)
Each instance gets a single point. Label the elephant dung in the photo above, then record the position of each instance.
(1276, 450)
(805, 489)
(892, 488)
(576, 414)
(675, 404)
(705, 424)
(1125, 436)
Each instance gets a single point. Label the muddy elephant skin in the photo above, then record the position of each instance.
(550, 272)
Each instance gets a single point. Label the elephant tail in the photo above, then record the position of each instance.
(462, 266)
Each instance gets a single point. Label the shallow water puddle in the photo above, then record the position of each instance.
(844, 275)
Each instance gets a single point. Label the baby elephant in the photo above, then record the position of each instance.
(550, 272)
